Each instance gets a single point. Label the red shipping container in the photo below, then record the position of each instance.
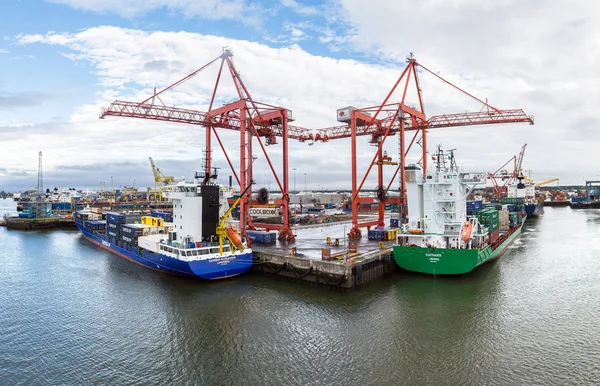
(494, 235)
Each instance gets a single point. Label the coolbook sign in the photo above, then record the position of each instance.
(265, 212)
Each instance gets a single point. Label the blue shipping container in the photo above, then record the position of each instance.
(115, 218)
(262, 236)
(128, 230)
(94, 225)
(167, 216)
(474, 205)
(376, 234)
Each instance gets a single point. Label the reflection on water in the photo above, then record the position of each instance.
(75, 314)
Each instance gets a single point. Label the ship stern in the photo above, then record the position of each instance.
(435, 261)
(222, 267)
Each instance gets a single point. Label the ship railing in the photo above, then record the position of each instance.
(503, 237)
(478, 178)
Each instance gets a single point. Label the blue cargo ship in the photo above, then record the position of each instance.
(534, 209)
(523, 189)
(186, 247)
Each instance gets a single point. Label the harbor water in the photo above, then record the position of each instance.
(72, 313)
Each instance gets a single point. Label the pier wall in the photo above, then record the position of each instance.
(335, 275)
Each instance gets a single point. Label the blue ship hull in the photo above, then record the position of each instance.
(217, 268)
(534, 209)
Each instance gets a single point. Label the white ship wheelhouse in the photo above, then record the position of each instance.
(437, 204)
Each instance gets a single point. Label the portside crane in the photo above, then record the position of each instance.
(503, 175)
(160, 180)
(255, 122)
(395, 116)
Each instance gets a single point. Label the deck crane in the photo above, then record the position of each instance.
(160, 180)
(230, 232)
(390, 118)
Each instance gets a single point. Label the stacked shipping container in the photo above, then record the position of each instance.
(474, 206)
(490, 219)
(115, 220)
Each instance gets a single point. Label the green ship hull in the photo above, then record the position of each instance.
(441, 261)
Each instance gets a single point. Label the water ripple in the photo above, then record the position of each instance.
(75, 314)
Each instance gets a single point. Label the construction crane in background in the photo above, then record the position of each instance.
(160, 181)
(519, 165)
(40, 182)
(501, 178)
(547, 182)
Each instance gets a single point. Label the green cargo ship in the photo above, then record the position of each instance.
(449, 261)
(441, 236)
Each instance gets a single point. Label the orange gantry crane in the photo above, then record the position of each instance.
(501, 178)
(257, 121)
(253, 120)
(390, 118)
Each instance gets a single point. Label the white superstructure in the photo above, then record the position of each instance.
(522, 188)
(64, 195)
(437, 202)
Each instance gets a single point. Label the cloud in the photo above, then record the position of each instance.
(3, 51)
(240, 10)
(21, 99)
(299, 8)
(313, 87)
(516, 53)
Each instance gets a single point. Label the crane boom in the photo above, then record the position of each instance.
(226, 120)
(520, 160)
(434, 122)
(547, 182)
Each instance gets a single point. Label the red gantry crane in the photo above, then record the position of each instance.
(390, 118)
(252, 119)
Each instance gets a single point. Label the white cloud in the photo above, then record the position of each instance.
(300, 8)
(517, 53)
(133, 62)
(242, 10)
(3, 51)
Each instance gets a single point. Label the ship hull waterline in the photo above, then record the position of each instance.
(211, 269)
(442, 261)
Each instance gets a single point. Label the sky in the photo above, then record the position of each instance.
(62, 61)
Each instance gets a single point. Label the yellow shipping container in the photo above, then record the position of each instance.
(154, 221)
(390, 234)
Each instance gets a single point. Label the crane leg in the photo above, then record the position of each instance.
(286, 235)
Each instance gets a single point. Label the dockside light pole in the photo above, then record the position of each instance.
(294, 169)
